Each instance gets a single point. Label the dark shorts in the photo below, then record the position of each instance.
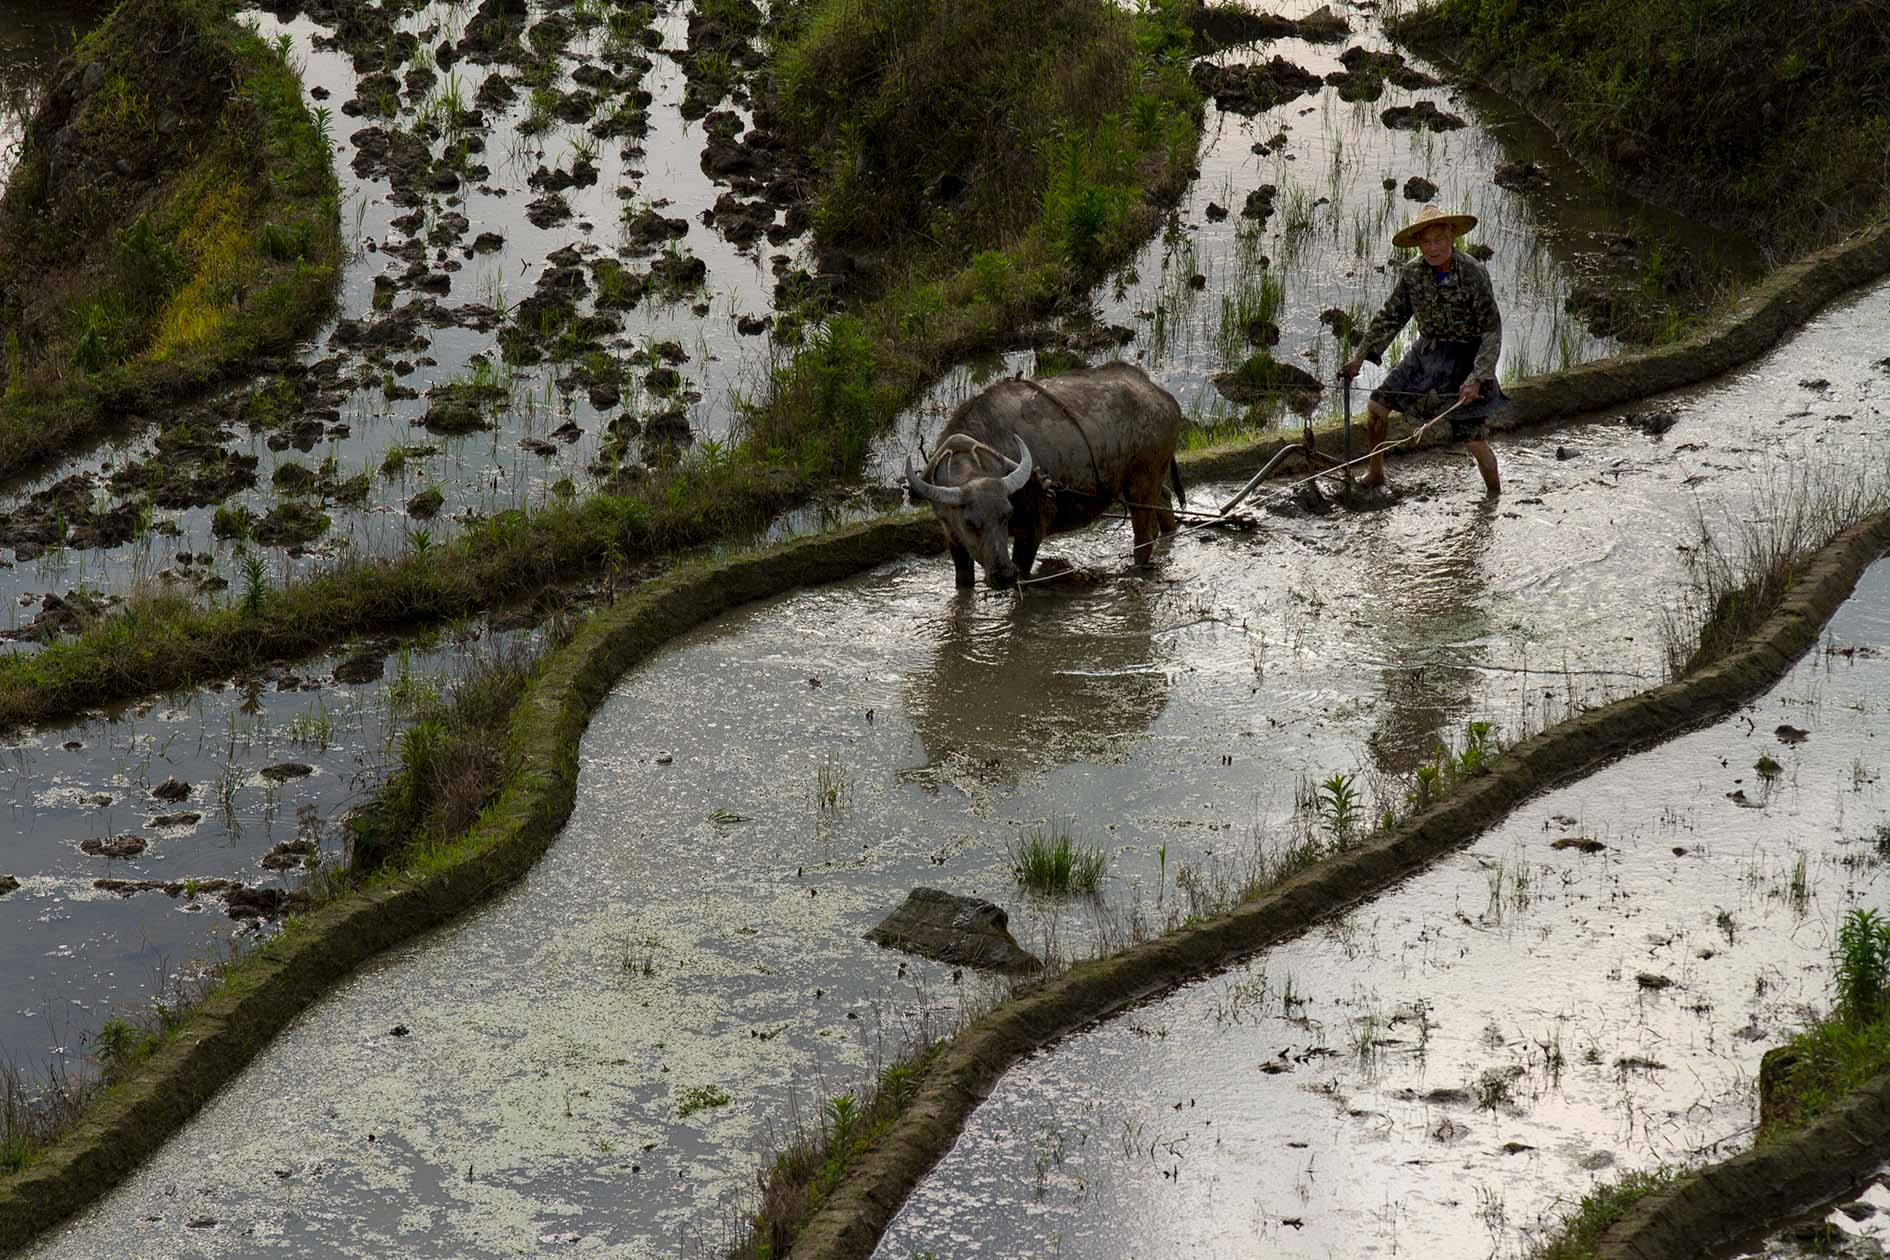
(1426, 381)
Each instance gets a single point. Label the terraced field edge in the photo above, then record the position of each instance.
(850, 1223)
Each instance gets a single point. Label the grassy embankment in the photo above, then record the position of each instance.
(1097, 120)
(173, 213)
(1770, 117)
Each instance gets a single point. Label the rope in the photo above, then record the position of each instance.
(1290, 486)
(1077, 425)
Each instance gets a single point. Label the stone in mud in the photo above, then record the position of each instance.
(1218, 26)
(679, 273)
(365, 666)
(1520, 175)
(488, 243)
(425, 505)
(1262, 377)
(1777, 1105)
(548, 211)
(1581, 844)
(448, 415)
(1259, 204)
(284, 771)
(1417, 188)
(1262, 332)
(741, 222)
(113, 846)
(1595, 1161)
(171, 791)
(290, 855)
(1343, 324)
(1789, 734)
(7, 884)
(645, 231)
(1250, 89)
(1367, 72)
(291, 524)
(256, 903)
(62, 615)
(946, 927)
(1653, 981)
(294, 478)
(183, 818)
(1653, 423)
(751, 325)
(1215, 212)
(1423, 116)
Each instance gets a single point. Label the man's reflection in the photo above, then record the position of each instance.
(1430, 618)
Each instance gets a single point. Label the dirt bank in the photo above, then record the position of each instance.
(173, 213)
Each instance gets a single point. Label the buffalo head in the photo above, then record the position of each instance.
(975, 509)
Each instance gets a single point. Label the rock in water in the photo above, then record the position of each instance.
(967, 931)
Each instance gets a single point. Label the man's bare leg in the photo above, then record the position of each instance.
(1486, 464)
(1376, 416)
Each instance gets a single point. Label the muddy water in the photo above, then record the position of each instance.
(243, 782)
(1543, 241)
(1447, 1068)
(696, 928)
(544, 428)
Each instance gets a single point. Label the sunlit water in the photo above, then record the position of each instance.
(77, 953)
(767, 788)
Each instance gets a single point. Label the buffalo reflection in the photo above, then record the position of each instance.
(1021, 685)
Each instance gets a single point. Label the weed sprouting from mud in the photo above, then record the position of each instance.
(1051, 861)
(1736, 577)
(832, 785)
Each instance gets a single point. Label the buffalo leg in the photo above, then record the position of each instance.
(1024, 553)
(961, 562)
(1165, 516)
(1142, 520)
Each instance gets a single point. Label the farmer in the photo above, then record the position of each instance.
(1454, 360)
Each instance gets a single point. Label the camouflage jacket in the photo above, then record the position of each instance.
(1463, 308)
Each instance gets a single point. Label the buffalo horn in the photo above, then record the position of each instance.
(1015, 479)
(945, 496)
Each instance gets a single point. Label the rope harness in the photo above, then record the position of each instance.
(1067, 414)
(1279, 491)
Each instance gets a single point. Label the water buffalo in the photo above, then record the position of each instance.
(1029, 458)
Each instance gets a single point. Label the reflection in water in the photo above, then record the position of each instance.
(1025, 684)
(1431, 614)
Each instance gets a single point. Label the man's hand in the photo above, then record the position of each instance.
(1471, 391)
(1349, 369)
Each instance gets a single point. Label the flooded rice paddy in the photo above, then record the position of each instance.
(1447, 1069)
(480, 175)
(598, 1059)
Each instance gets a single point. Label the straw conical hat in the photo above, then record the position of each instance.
(1428, 217)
